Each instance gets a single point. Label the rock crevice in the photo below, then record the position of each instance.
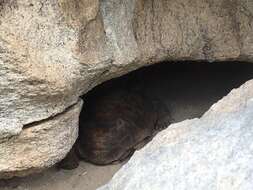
(213, 152)
(52, 52)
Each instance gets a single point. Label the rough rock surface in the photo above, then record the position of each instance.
(213, 152)
(40, 146)
(51, 52)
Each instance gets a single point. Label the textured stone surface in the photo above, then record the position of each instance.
(9, 128)
(38, 70)
(39, 145)
(213, 152)
(51, 52)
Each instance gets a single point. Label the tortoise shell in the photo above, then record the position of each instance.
(113, 125)
(115, 122)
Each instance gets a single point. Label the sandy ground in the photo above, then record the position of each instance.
(188, 93)
(85, 177)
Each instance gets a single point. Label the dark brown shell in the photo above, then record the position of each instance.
(113, 124)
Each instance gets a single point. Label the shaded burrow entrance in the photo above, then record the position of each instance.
(188, 89)
(123, 113)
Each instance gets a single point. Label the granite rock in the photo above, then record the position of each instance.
(52, 52)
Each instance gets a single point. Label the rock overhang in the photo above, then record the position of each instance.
(50, 55)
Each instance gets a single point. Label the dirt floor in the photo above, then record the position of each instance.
(188, 91)
(85, 177)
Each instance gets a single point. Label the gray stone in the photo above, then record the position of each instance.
(50, 54)
(213, 152)
(39, 145)
(9, 128)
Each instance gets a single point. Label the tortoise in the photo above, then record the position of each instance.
(113, 124)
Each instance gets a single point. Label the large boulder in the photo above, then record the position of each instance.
(40, 145)
(51, 52)
(213, 152)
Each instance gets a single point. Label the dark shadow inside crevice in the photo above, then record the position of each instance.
(188, 89)
(124, 112)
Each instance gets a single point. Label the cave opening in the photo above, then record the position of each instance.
(183, 90)
(187, 89)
